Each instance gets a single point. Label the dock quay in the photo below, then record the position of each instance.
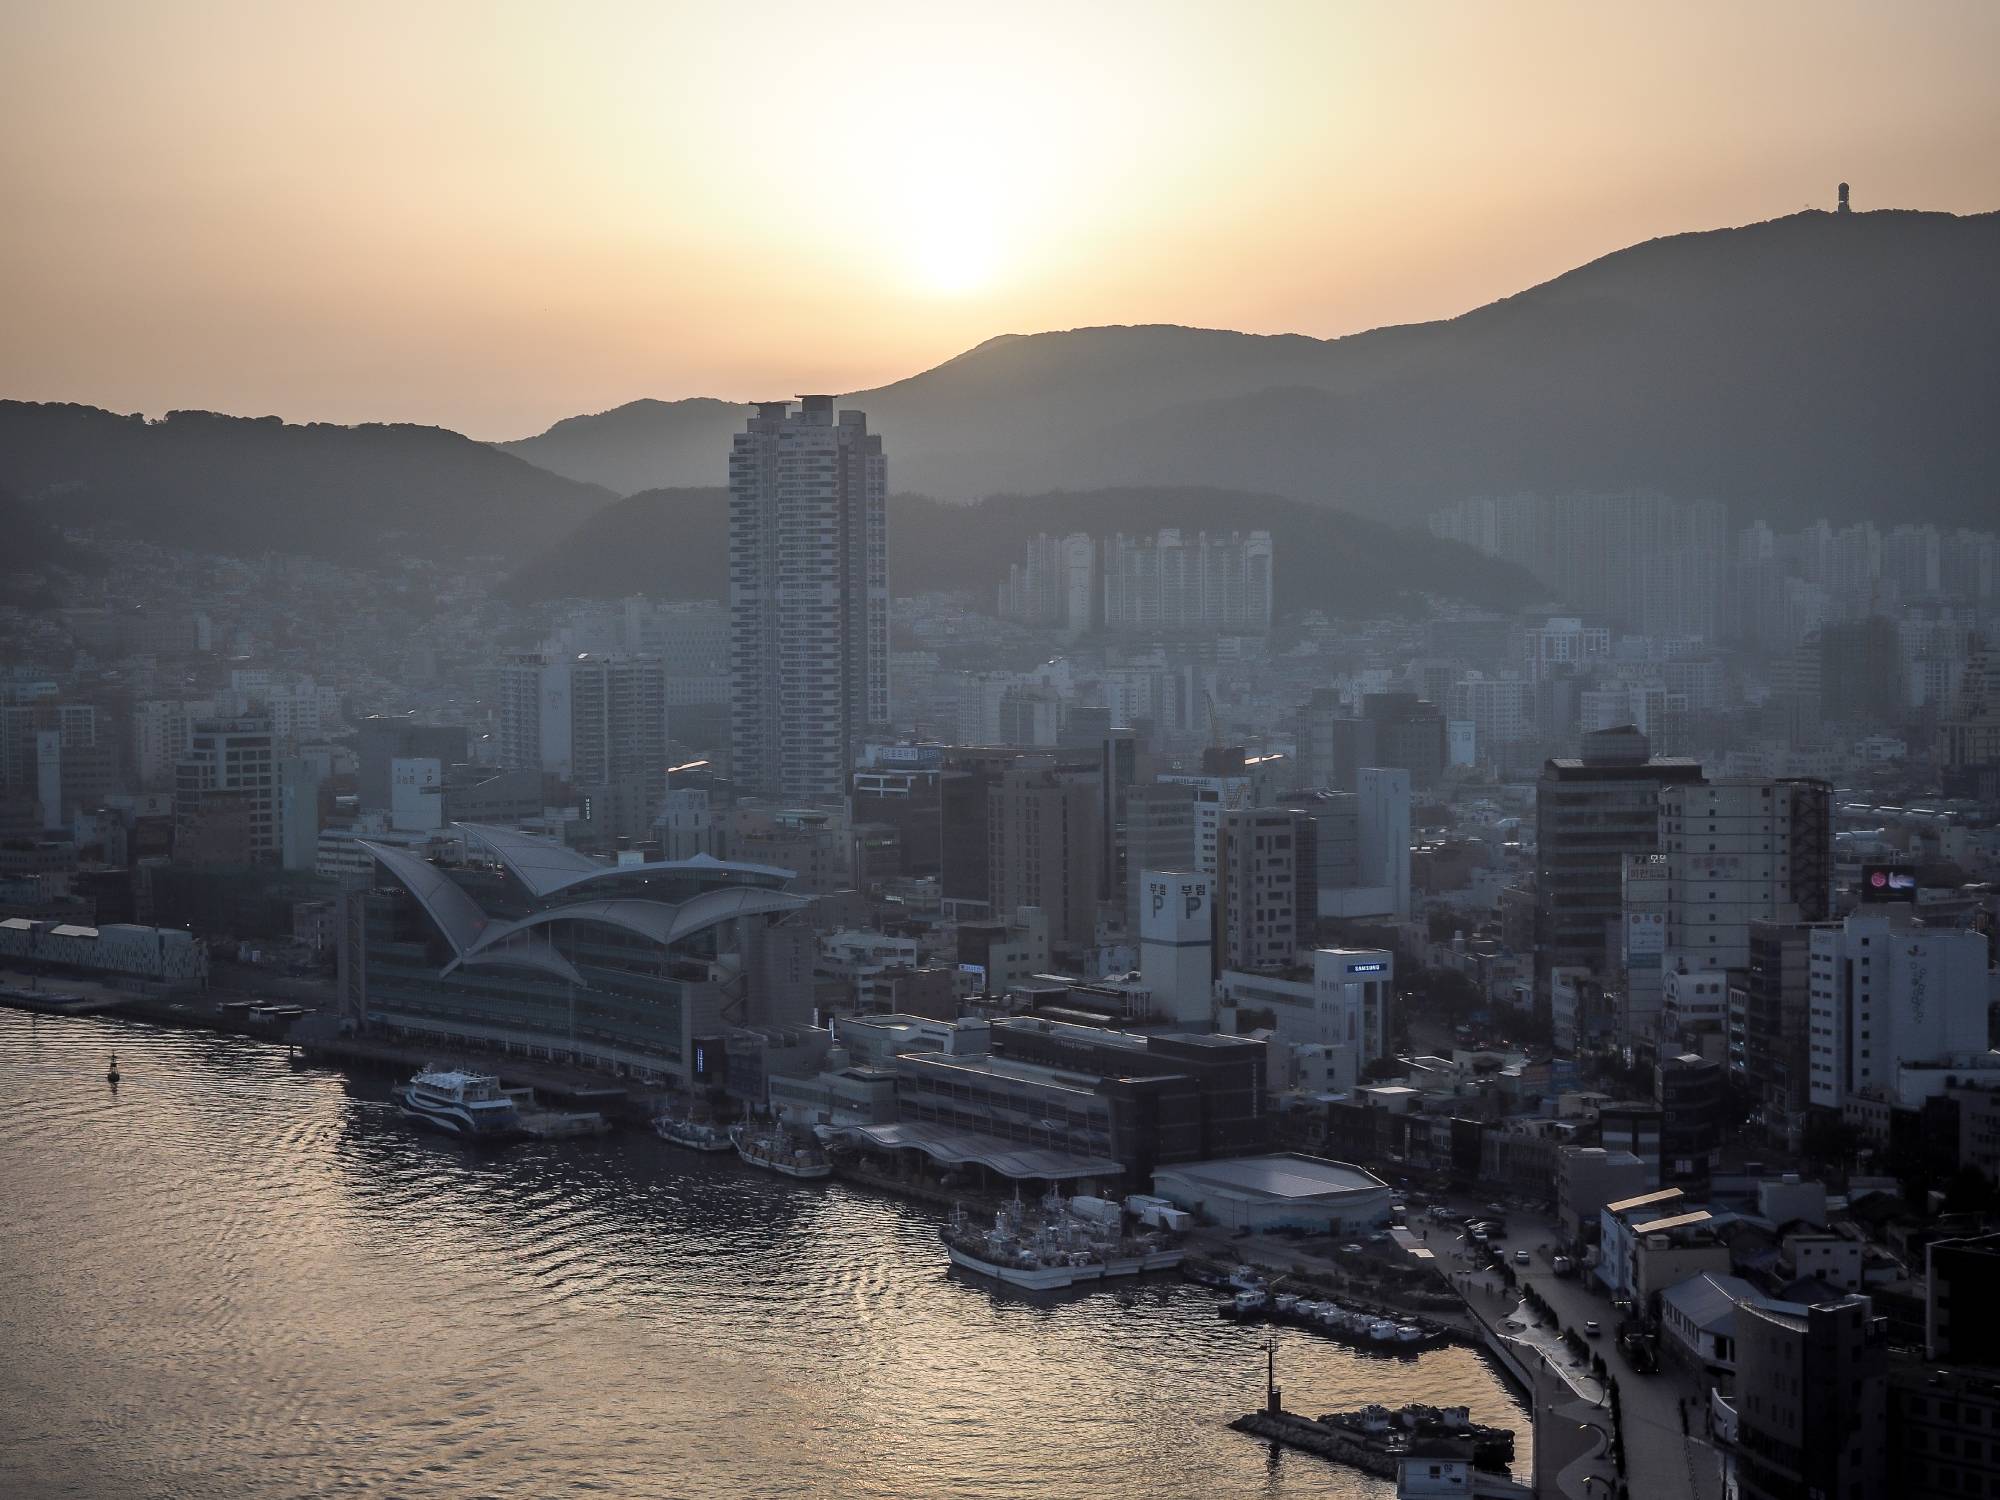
(1373, 1438)
(1294, 1431)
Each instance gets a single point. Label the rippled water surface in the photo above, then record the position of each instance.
(230, 1279)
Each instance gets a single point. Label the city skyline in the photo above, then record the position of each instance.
(526, 223)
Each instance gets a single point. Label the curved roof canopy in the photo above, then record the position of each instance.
(657, 921)
(547, 867)
(456, 914)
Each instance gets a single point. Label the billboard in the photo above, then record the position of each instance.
(1888, 883)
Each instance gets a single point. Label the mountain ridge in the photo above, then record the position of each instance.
(1732, 363)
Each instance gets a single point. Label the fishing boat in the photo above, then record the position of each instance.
(696, 1135)
(1059, 1246)
(776, 1150)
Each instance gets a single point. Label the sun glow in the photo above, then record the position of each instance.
(954, 248)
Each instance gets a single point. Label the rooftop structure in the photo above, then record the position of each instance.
(1278, 1191)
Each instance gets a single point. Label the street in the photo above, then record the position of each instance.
(1675, 1466)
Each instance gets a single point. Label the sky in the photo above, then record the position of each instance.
(491, 216)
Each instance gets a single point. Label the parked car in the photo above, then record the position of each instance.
(1590, 1328)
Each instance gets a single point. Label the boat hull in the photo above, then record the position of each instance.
(717, 1142)
(1040, 1279)
(806, 1171)
(455, 1122)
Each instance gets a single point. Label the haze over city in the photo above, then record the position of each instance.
(474, 216)
(892, 750)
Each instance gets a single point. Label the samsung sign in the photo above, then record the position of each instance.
(1366, 968)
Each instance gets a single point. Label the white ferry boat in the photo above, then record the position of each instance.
(696, 1135)
(1056, 1249)
(773, 1149)
(465, 1104)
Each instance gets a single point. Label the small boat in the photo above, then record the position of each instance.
(696, 1135)
(776, 1150)
(111, 1076)
(1382, 1331)
(471, 1105)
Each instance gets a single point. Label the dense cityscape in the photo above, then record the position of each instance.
(1400, 902)
(1118, 880)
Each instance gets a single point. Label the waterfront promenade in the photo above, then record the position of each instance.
(1676, 1464)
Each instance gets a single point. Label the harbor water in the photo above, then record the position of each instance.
(227, 1278)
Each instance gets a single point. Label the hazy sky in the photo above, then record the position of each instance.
(493, 215)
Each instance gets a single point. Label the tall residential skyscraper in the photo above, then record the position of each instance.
(808, 597)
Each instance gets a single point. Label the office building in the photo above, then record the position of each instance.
(1941, 1426)
(230, 761)
(382, 739)
(1775, 1006)
(1043, 847)
(808, 597)
(1159, 835)
(1384, 854)
(1962, 1299)
(1688, 1090)
(1264, 887)
(1884, 991)
(1591, 812)
(1811, 1402)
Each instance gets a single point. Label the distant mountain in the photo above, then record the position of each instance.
(1819, 364)
(621, 449)
(248, 485)
(674, 542)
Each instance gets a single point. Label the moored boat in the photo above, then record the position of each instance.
(776, 1150)
(696, 1135)
(1057, 1248)
(469, 1105)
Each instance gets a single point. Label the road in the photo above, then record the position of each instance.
(1677, 1464)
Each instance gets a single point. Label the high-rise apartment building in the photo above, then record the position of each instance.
(1738, 851)
(1171, 583)
(618, 719)
(534, 727)
(1590, 813)
(808, 597)
(1643, 561)
(1054, 585)
(1886, 990)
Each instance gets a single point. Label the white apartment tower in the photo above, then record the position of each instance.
(1885, 990)
(808, 597)
(535, 723)
(1739, 851)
